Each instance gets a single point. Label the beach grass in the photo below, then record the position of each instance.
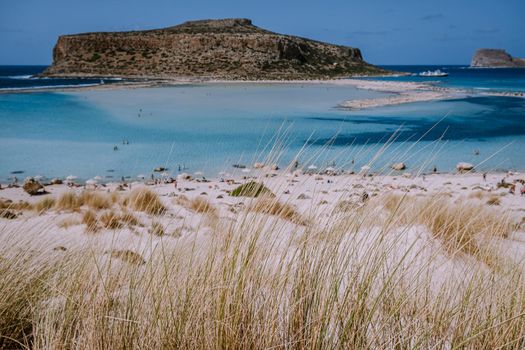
(360, 278)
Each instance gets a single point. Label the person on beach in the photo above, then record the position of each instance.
(175, 183)
(485, 177)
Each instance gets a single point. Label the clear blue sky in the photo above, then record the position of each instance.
(387, 31)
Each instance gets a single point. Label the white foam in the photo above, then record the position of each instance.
(47, 87)
(18, 76)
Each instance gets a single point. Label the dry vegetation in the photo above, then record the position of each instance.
(346, 281)
(145, 200)
(272, 206)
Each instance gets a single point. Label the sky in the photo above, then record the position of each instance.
(386, 31)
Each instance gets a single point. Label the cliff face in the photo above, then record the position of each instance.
(495, 58)
(219, 49)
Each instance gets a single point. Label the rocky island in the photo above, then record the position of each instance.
(495, 58)
(230, 49)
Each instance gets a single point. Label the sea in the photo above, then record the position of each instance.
(216, 130)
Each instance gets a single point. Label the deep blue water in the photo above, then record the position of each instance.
(23, 77)
(500, 79)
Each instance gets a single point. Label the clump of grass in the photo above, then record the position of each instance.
(129, 219)
(44, 204)
(494, 200)
(95, 200)
(457, 225)
(68, 201)
(89, 218)
(252, 189)
(110, 220)
(157, 229)
(272, 206)
(477, 195)
(145, 200)
(199, 204)
(128, 256)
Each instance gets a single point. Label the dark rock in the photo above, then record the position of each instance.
(33, 187)
(7, 214)
(56, 181)
(495, 58)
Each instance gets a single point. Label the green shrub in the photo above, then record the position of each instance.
(251, 189)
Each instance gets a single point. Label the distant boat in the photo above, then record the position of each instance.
(433, 74)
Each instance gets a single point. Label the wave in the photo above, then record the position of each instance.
(48, 87)
(21, 77)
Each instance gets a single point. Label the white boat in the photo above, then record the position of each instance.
(433, 74)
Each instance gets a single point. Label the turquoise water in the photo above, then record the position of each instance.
(210, 127)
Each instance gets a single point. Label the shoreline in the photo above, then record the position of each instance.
(397, 92)
(299, 190)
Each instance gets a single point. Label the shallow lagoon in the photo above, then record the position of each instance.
(210, 127)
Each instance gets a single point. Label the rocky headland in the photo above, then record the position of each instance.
(231, 49)
(495, 58)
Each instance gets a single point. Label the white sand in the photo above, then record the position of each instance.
(309, 194)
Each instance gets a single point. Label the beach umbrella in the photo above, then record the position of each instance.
(365, 169)
(71, 178)
(330, 168)
(98, 178)
(312, 167)
(141, 176)
(91, 182)
(164, 174)
(246, 170)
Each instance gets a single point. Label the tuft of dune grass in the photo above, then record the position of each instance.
(95, 200)
(273, 206)
(494, 200)
(89, 218)
(199, 204)
(157, 229)
(477, 195)
(128, 256)
(128, 219)
(145, 200)
(20, 205)
(456, 225)
(68, 201)
(110, 220)
(459, 225)
(44, 204)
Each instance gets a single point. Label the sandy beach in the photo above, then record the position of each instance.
(310, 194)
